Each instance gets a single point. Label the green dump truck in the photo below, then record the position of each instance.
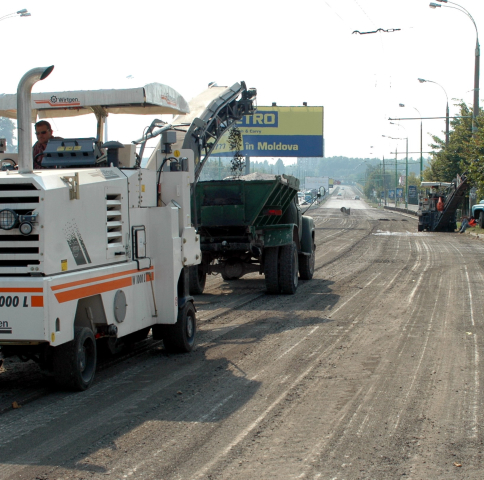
(253, 223)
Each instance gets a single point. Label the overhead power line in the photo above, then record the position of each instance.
(389, 30)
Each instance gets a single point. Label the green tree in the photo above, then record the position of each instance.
(464, 154)
(7, 129)
(373, 181)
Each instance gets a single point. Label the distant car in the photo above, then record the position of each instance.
(340, 194)
(357, 197)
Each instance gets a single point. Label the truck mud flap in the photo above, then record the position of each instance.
(278, 235)
(307, 235)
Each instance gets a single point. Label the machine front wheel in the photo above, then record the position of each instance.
(481, 220)
(74, 363)
(180, 337)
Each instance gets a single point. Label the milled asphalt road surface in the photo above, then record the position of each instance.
(373, 370)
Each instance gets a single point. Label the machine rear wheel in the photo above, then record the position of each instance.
(481, 220)
(288, 270)
(271, 269)
(197, 279)
(306, 264)
(180, 338)
(74, 363)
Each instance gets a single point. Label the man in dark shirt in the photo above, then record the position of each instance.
(43, 130)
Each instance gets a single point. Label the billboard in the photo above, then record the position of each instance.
(278, 131)
(399, 192)
(311, 183)
(412, 191)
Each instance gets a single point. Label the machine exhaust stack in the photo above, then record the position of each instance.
(24, 115)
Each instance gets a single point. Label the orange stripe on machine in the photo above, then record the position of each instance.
(77, 293)
(95, 279)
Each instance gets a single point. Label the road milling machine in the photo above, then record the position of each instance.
(95, 249)
(438, 206)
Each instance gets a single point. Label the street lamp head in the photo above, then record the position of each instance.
(26, 14)
(442, 1)
(24, 10)
(421, 80)
(434, 5)
(401, 104)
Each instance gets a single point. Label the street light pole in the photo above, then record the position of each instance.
(477, 62)
(384, 183)
(406, 175)
(406, 165)
(421, 155)
(422, 80)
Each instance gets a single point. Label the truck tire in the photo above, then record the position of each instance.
(306, 264)
(271, 269)
(196, 279)
(74, 363)
(481, 219)
(288, 270)
(419, 228)
(180, 337)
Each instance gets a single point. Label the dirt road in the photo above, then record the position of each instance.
(373, 370)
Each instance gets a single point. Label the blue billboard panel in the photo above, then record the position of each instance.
(271, 145)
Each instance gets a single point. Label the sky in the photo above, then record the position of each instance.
(292, 52)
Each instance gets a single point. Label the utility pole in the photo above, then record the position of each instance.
(396, 176)
(384, 189)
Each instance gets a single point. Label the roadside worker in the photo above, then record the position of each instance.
(464, 224)
(44, 133)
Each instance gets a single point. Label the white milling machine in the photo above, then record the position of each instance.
(94, 253)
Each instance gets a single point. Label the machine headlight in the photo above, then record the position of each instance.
(8, 219)
(25, 228)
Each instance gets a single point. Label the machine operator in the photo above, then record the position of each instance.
(44, 133)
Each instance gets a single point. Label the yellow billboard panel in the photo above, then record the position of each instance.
(281, 131)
